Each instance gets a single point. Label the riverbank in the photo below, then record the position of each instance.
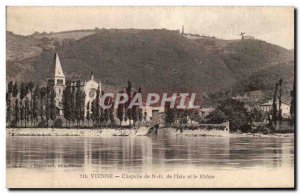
(75, 132)
(281, 135)
(199, 132)
(222, 133)
(142, 131)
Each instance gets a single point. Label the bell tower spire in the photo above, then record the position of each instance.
(92, 75)
(58, 76)
(58, 69)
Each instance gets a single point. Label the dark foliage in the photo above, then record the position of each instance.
(233, 111)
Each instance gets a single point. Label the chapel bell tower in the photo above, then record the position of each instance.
(57, 74)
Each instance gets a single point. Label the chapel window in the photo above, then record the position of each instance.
(60, 82)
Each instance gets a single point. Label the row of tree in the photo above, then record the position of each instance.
(24, 104)
(240, 116)
(28, 105)
(125, 112)
(97, 113)
(276, 108)
(73, 103)
(180, 116)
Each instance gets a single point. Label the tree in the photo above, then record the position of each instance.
(274, 105)
(67, 104)
(30, 86)
(52, 105)
(120, 110)
(140, 109)
(26, 112)
(94, 112)
(140, 115)
(255, 84)
(97, 106)
(17, 111)
(134, 112)
(73, 103)
(106, 115)
(21, 113)
(292, 109)
(57, 45)
(88, 112)
(101, 115)
(184, 116)
(145, 116)
(233, 111)
(194, 116)
(15, 90)
(10, 87)
(216, 116)
(23, 90)
(111, 115)
(280, 93)
(128, 111)
(35, 97)
(48, 101)
(47, 111)
(43, 92)
(169, 116)
(8, 108)
(78, 104)
(257, 115)
(82, 104)
(31, 112)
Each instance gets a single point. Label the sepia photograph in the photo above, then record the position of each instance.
(133, 97)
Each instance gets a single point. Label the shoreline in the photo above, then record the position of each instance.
(78, 132)
(142, 131)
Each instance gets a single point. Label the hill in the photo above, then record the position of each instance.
(156, 60)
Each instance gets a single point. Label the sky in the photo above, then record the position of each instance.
(272, 24)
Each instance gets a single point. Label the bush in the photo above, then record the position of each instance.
(260, 129)
(245, 128)
(58, 122)
(216, 116)
(13, 124)
(284, 131)
(233, 111)
(42, 124)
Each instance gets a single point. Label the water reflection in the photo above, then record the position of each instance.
(146, 153)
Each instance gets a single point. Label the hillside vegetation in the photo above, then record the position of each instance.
(156, 60)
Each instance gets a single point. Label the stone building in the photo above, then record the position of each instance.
(90, 88)
(57, 75)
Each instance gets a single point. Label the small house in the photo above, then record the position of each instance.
(285, 108)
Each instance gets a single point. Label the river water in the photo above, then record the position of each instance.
(140, 154)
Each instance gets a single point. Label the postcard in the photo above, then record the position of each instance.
(150, 97)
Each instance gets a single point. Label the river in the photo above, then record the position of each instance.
(143, 154)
